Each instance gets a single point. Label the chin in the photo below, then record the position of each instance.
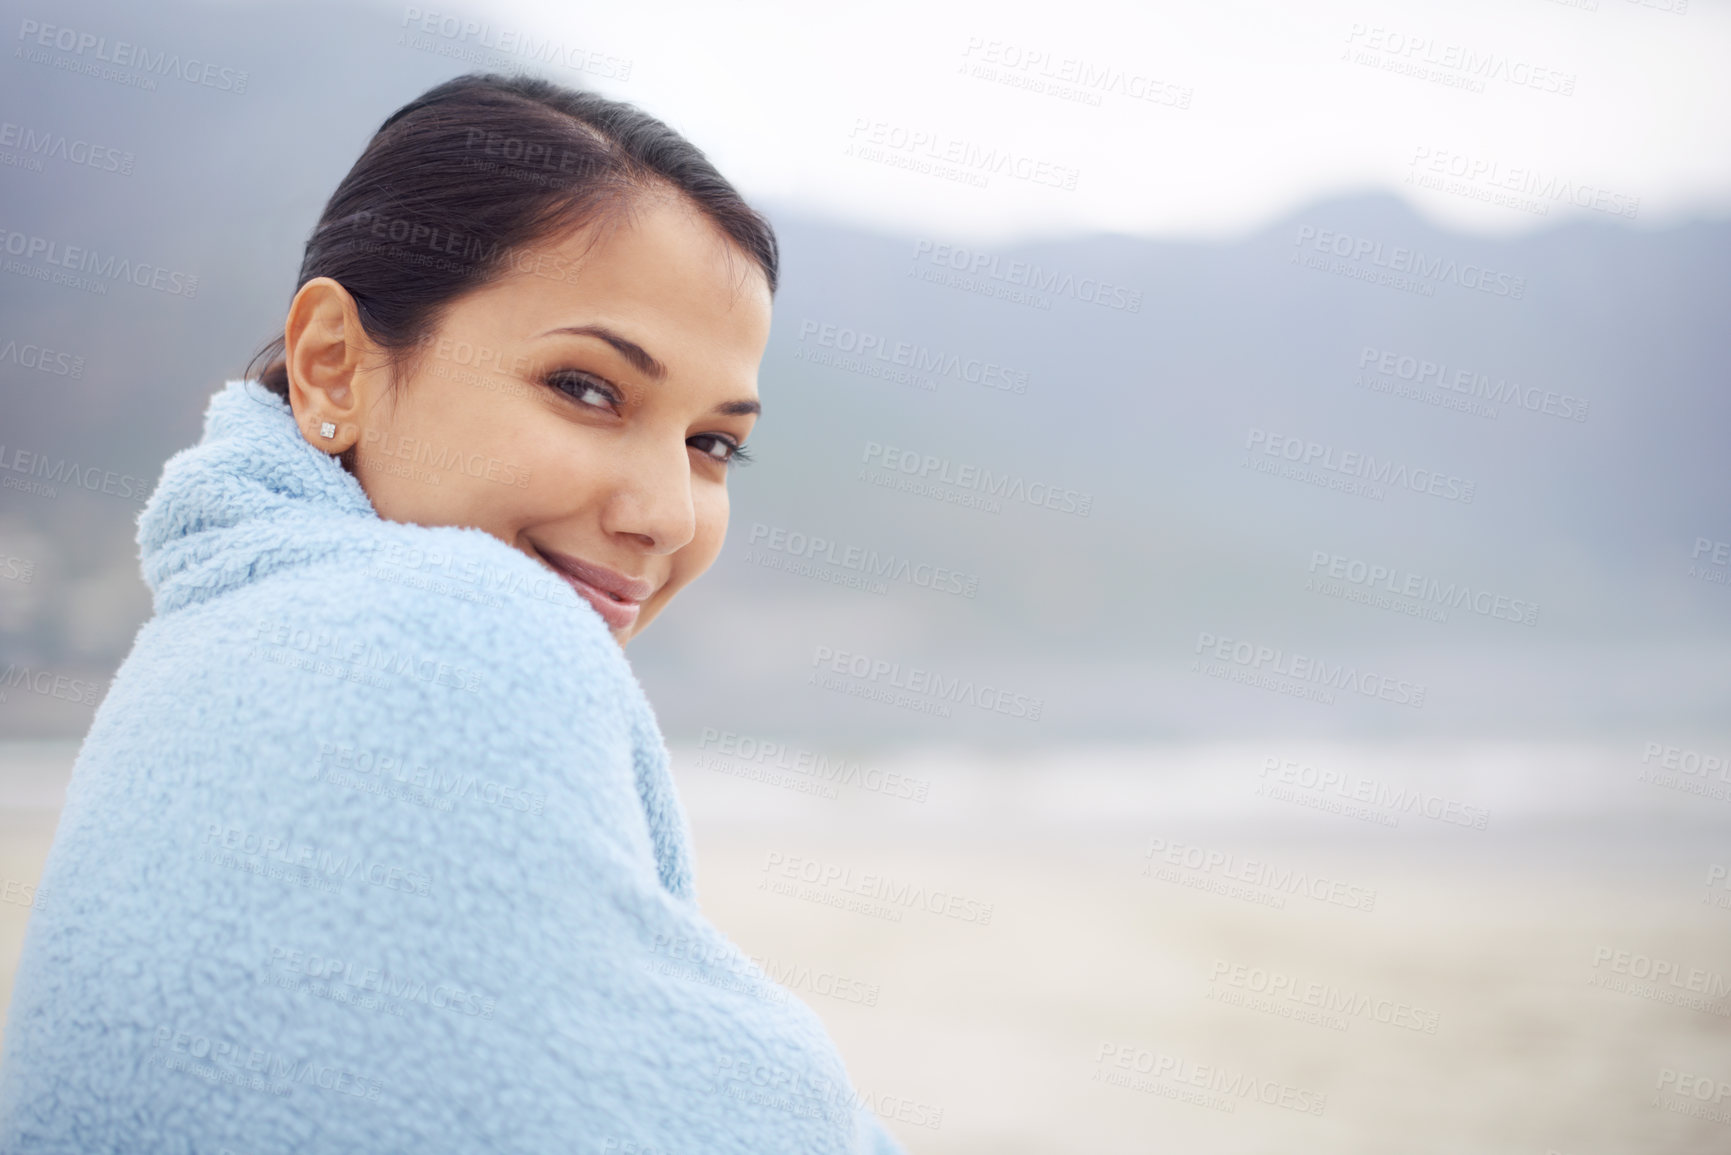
(628, 633)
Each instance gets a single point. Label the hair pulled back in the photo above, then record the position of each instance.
(460, 183)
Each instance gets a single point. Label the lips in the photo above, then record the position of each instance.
(617, 598)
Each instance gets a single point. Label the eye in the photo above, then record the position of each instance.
(585, 389)
(721, 447)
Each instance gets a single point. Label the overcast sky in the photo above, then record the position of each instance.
(1193, 119)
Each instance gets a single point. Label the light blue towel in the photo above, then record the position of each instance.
(372, 847)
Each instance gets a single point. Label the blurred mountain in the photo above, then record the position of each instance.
(1153, 415)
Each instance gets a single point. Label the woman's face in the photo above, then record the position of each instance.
(583, 408)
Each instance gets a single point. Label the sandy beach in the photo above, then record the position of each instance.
(1152, 950)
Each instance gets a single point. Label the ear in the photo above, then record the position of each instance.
(331, 362)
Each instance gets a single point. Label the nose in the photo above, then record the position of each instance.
(652, 498)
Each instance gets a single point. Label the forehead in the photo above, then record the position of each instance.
(658, 271)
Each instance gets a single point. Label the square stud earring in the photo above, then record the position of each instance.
(328, 429)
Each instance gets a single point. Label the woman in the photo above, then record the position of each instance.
(372, 846)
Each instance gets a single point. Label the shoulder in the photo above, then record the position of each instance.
(468, 576)
(451, 607)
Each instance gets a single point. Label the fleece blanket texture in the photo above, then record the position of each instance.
(372, 847)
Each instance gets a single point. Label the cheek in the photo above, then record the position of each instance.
(566, 466)
(710, 509)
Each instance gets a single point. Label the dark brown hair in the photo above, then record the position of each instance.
(458, 183)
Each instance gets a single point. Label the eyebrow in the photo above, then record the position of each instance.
(630, 350)
(647, 365)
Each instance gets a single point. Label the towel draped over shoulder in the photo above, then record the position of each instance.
(372, 847)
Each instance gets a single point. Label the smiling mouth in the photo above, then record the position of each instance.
(616, 597)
